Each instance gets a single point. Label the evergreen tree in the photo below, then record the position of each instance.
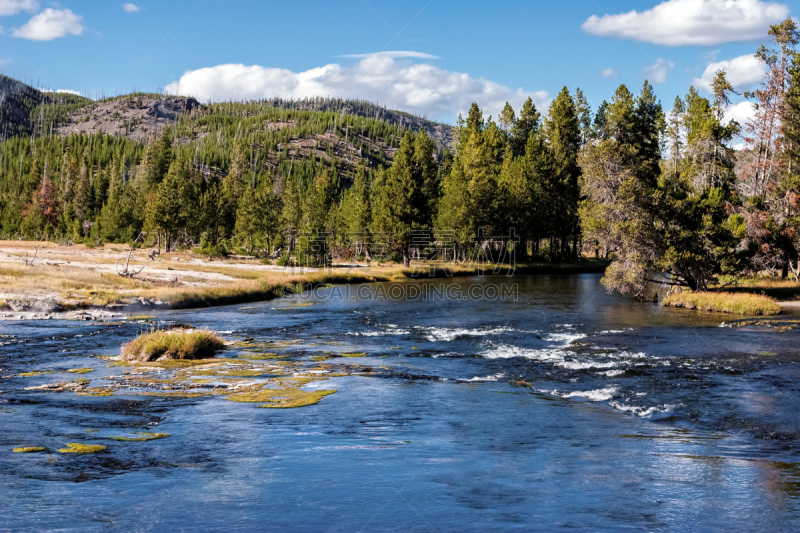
(564, 137)
(399, 199)
(584, 112)
(172, 207)
(676, 136)
(524, 127)
(157, 158)
(356, 210)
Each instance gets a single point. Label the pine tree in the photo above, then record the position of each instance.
(157, 158)
(584, 112)
(524, 127)
(564, 137)
(426, 176)
(676, 136)
(648, 125)
(619, 116)
(172, 206)
(398, 197)
(356, 211)
(507, 118)
(600, 124)
(292, 212)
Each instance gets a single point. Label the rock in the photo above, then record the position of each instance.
(18, 305)
(48, 306)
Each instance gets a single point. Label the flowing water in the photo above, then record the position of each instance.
(564, 407)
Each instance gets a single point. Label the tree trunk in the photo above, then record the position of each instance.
(406, 257)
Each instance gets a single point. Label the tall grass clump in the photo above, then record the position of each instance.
(172, 345)
(725, 302)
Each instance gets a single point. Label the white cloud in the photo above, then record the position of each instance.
(51, 24)
(609, 73)
(66, 91)
(131, 8)
(418, 55)
(692, 22)
(743, 112)
(418, 88)
(12, 7)
(659, 71)
(743, 72)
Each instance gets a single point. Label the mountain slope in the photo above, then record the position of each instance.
(27, 111)
(135, 116)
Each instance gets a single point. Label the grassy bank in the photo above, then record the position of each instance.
(77, 277)
(725, 302)
(773, 286)
(172, 345)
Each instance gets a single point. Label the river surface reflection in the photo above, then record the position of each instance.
(563, 407)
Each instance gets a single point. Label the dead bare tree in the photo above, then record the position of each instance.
(30, 262)
(126, 271)
(795, 270)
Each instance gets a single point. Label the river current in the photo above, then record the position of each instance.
(556, 406)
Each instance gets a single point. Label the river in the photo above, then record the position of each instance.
(554, 406)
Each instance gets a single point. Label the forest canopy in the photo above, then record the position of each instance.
(659, 192)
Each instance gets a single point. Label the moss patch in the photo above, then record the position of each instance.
(75, 447)
(264, 357)
(281, 398)
(35, 373)
(144, 437)
(175, 394)
(29, 449)
(230, 373)
(80, 370)
(96, 391)
(353, 354)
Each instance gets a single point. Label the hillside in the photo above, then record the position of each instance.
(135, 116)
(28, 111)
(442, 134)
(291, 133)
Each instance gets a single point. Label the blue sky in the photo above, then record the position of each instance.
(462, 51)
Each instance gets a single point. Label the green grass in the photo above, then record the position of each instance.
(725, 302)
(172, 345)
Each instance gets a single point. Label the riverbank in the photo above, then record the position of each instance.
(47, 281)
(725, 302)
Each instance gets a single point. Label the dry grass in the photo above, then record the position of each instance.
(78, 276)
(172, 345)
(782, 289)
(725, 302)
